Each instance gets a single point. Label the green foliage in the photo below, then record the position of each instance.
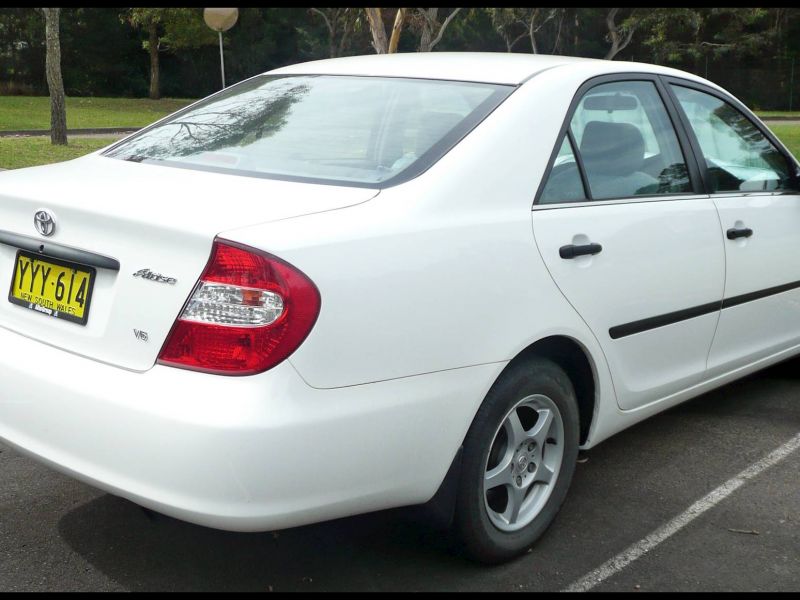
(102, 47)
(332, 32)
(671, 34)
(179, 28)
(262, 39)
(83, 28)
(740, 31)
(511, 24)
(22, 52)
(675, 34)
(472, 29)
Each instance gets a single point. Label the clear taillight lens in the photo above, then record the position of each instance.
(233, 305)
(249, 311)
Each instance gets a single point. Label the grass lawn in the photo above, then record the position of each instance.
(33, 112)
(789, 135)
(778, 113)
(17, 152)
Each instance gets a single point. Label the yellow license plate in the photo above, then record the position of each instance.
(52, 287)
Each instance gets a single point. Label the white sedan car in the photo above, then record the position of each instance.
(380, 281)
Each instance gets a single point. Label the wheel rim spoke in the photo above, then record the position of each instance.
(516, 433)
(543, 474)
(499, 475)
(542, 428)
(514, 504)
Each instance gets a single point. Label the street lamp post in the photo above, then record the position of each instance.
(221, 19)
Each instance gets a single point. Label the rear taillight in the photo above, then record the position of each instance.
(249, 311)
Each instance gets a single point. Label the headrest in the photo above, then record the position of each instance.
(612, 148)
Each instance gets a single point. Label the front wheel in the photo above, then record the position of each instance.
(519, 457)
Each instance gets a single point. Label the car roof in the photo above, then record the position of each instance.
(489, 67)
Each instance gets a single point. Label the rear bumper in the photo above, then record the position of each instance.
(237, 453)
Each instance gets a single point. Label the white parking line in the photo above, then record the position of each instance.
(622, 560)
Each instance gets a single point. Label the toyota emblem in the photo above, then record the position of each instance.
(45, 223)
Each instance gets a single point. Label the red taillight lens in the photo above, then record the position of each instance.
(249, 312)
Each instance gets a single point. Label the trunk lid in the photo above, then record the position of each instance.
(145, 217)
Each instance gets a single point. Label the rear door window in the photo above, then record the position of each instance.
(627, 143)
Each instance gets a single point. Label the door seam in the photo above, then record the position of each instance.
(724, 282)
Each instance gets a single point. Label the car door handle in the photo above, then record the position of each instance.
(734, 233)
(571, 251)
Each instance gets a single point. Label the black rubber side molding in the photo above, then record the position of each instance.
(571, 251)
(627, 329)
(39, 246)
(662, 320)
(734, 233)
(749, 297)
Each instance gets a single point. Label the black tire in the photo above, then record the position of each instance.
(480, 538)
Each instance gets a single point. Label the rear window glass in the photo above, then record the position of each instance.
(340, 129)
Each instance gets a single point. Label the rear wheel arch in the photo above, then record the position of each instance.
(577, 363)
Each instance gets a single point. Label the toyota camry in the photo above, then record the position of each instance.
(370, 282)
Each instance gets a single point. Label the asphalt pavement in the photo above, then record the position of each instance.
(58, 534)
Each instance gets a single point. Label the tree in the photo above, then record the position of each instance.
(762, 39)
(340, 23)
(22, 51)
(513, 24)
(677, 34)
(58, 108)
(741, 31)
(382, 43)
(619, 35)
(562, 13)
(263, 39)
(430, 29)
(169, 29)
(506, 22)
(673, 34)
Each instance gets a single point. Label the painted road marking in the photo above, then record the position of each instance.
(640, 548)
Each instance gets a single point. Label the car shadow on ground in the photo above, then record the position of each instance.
(630, 484)
(142, 551)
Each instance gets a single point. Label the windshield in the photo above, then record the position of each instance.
(336, 129)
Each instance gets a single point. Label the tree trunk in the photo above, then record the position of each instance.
(399, 20)
(532, 32)
(427, 44)
(347, 28)
(617, 43)
(379, 41)
(428, 22)
(331, 25)
(55, 84)
(155, 88)
(576, 35)
(558, 32)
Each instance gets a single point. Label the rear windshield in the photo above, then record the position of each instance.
(365, 131)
